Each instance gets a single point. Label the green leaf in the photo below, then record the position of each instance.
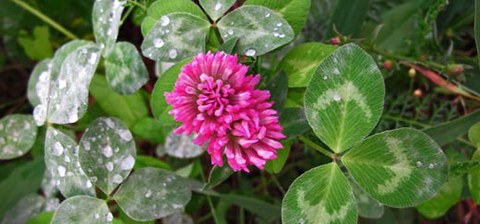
(262, 209)
(38, 71)
(256, 36)
(42, 218)
(216, 8)
(23, 180)
(474, 178)
(106, 16)
(399, 168)
(164, 7)
(217, 176)
(147, 161)
(165, 83)
(367, 206)
(276, 165)
(300, 62)
(477, 26)
(474, 134)
(37, 47)
(61, 158)
(182, 146)
(150, 129)
(449, 195)
(320, 194)
(126, 73)
(151, 193)
(229, 45)
(17, 135)
(178, 218)
(294, 11)
(449, 131)
(348, 17)
(82, 209)
(176, 36)
(63, 92)
(294, 122)
(344, 99)
(107, 153)
(27, 207)
(128, 108)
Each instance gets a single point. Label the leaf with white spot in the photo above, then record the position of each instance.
(178, 218)
(344, 99)
(216, 8)
(17, 135)
(63, 89)
(61, 158)
(160, 8)
(82, 209)
(152, 193)
(68, 95)
(26, 208)
(176, 36)
(182, 146)
(125, 69)
(321, 194)
(106, 16)
(41, 69)
(256, 35)
(107, 153)
(399, 168)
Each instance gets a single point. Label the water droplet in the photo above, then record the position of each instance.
(88, 184)
(230, 32)
(117, 179)
(109, 166)
(336, 71)
(109, 123)
(67, 159)
(93, 58)
(148, 193)
(62, 83)
(218, 6)
(109, 217)
(250, 52)
(127, 163)
(125, 134)
(107, 151)
(57, 149)
(97, 216)
(172, 53)
(279, 24)
(94, 179)
(419, 164)
(69, 174)
(86, 146)
(164, 20)
(267, 14)
(325, 77)
(337, 97)
(61, 170)
(281, 35)
(431, 166)
(158, 43)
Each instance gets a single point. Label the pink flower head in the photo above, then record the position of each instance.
(214, 98)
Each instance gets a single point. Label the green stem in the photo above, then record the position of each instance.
(45, 18)
(407, 121)
(135, 3)
(316, 146)
(210, 203)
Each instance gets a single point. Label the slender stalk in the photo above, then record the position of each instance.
(316, 147)
(135, 3)
(45, 18)
(210, 203)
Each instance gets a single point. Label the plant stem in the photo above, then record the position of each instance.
(45, 18)
(210, 203)
(316, 146)
(135, 3)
